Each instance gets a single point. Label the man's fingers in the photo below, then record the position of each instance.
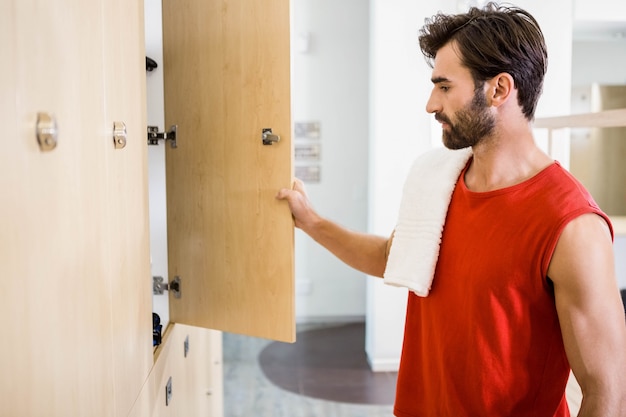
(282, 193)
(298, 185)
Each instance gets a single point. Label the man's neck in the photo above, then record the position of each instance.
(503, 162)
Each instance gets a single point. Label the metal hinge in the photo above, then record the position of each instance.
(154, 135)
(159, 287)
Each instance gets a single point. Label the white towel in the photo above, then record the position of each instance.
(423, 209)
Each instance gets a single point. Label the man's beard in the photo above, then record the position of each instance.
(473, 123)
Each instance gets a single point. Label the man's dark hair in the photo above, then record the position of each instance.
(490, 41)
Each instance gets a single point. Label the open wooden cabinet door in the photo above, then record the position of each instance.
(230, 242)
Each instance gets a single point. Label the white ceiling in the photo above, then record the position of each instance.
(599, 31)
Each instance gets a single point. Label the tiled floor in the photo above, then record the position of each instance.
(249, 393)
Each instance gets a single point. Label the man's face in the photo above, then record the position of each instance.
(470, 125)
(462, 110)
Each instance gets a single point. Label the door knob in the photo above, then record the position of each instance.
(268, 137)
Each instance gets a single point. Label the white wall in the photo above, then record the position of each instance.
(330, 86)
(588, 53)
(600, 10)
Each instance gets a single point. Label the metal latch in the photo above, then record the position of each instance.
(47, 132)
(267, 137)
(159, 287)
(154, 135)
(168, 392)
(119, 135)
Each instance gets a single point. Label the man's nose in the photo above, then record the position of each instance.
(432, 105)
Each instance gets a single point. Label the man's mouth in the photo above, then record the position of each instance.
(442, 119)
(445, 123)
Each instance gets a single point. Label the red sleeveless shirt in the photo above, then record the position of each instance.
(486, 341)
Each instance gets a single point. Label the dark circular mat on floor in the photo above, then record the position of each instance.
(328, 363)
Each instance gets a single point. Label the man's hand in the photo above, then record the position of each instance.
(303, 213)
(364, 252)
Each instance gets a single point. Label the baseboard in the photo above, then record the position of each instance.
(384, 365)
(330, 319)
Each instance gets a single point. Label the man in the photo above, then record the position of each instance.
(524, 286)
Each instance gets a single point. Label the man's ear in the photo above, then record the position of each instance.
(499, 89)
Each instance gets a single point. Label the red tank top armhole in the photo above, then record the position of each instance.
(560, 227)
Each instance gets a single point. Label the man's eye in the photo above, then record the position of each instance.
(444, 88)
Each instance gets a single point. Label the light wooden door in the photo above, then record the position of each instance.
(55, 299)
(226, 75)
(126, 193)
(73, 234)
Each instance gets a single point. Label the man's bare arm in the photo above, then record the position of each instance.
(364, 252)
(591, 315)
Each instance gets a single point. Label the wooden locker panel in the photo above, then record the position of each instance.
(128, 266)
(13, 197)
(56, 297)
(196, 380)
(151, 401)
(226, 75)
(201, 369)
